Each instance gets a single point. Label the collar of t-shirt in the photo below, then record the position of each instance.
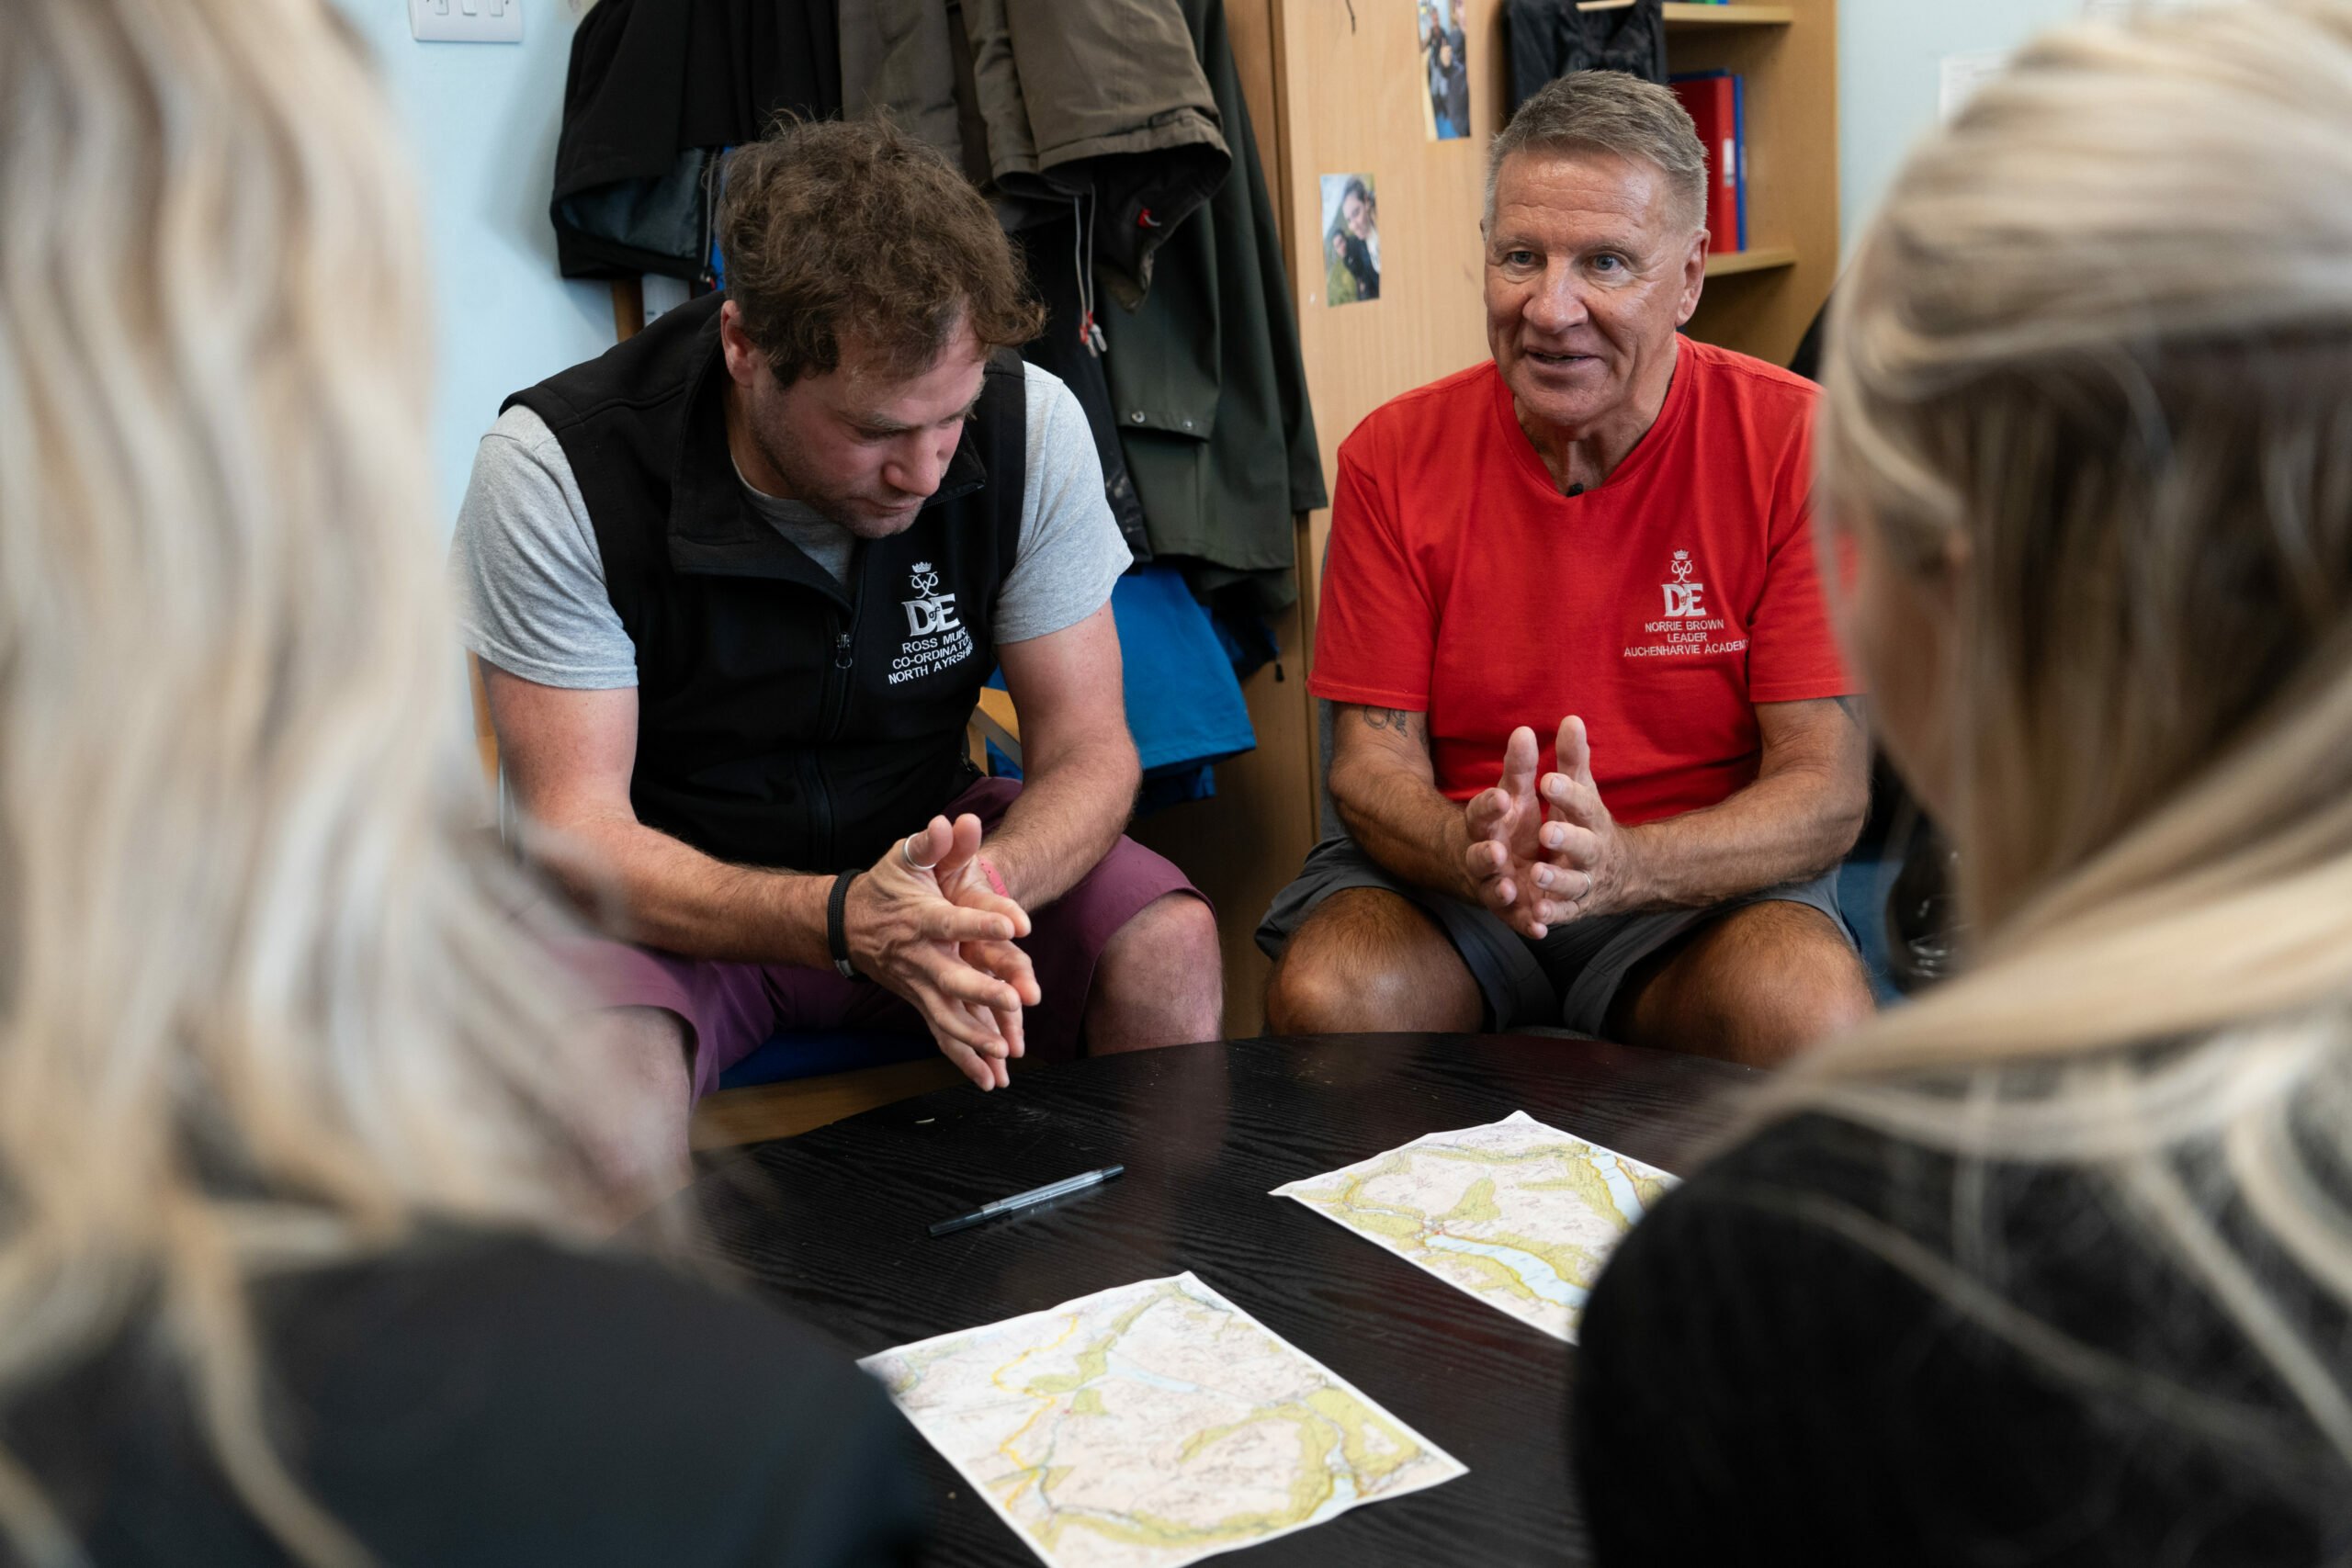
(820, 539)
(1661, 431)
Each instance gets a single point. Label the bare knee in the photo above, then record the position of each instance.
(1305, 996)
(1160, 980)
(1367, 961)
(1756, 985)
(635, 1132)
(1787, 1011)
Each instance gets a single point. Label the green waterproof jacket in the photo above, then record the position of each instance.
(1205, 378)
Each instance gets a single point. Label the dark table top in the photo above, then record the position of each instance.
(831, 1224)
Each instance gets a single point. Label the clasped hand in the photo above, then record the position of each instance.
(937, 930)
(1544, 853)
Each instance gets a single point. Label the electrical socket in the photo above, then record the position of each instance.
(465, 21)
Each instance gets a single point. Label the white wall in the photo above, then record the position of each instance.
(1889, 53)
(480, 121)
(483, 118)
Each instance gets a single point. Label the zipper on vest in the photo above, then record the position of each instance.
(834, 712)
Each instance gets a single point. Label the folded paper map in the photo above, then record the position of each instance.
(1518, 1214)
(1151, 1425)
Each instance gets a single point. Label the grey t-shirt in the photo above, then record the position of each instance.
(530, 579)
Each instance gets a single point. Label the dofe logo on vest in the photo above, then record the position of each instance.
(936, 638)
(930, 611)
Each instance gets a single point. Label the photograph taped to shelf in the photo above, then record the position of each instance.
(1445, 62)
(1350, 239)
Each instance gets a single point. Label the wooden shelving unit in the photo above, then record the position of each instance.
(1730, 264)
(1760, 301)
(1681, 16)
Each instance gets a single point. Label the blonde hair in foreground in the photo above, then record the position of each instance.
(2098, 347)
(258, 1005)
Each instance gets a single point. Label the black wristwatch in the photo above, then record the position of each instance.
(836, 933)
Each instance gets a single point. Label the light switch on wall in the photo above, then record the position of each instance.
(465, 21)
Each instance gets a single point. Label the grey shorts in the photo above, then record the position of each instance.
(1567, 979)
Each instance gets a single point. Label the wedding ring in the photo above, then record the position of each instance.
(906, 847)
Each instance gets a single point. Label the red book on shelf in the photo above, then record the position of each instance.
(1710, 98)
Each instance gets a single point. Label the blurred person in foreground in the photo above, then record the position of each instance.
(2053, 1264)
(297, 1179)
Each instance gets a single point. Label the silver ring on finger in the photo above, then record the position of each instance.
(906, 847)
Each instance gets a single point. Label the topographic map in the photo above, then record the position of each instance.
(1150, 1425)
(1518, 1214)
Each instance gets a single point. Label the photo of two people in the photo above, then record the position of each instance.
(1350, 239)
(1445, 52)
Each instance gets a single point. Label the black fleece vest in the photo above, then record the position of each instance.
(783, 720)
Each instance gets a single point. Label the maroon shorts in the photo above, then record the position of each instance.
(731, 1010)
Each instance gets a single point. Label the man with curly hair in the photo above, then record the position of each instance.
(736, 585)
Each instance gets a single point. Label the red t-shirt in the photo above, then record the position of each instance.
(1661, 606)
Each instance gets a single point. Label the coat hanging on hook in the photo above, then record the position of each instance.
(1549, 39)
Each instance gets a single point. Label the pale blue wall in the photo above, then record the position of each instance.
(481, 119)
(1888, 78)
(480, 123)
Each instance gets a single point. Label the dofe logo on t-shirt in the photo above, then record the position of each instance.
(1688, 627)
(1682, 595)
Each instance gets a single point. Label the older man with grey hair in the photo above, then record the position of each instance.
(1594, 750)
